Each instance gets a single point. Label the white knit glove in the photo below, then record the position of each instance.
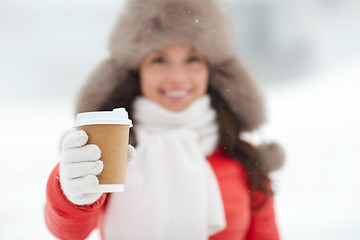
(79, 165)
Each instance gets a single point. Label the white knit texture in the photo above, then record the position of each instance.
(79, 165)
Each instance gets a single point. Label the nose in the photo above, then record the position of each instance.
(177, 74)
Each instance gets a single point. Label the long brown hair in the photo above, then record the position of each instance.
(234, 147)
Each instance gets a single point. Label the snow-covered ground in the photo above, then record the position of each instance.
(316, 119)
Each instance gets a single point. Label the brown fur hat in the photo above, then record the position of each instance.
(147, 25)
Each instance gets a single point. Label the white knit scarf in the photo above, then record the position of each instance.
(171, 191)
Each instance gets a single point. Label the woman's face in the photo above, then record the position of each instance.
(174, 77)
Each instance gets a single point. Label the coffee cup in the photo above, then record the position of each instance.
(109, 130)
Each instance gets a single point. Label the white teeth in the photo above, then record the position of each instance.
(180, 93)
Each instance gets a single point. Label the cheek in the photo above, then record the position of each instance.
(148, 84)
(202, 81)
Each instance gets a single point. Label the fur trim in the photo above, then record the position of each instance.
(240, 92)
(149, 25)
(271, 156)
(101, 91)
(99, 86)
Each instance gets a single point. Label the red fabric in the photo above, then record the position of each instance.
(68, 221)
(242, 222)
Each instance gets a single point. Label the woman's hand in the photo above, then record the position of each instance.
(79, 166)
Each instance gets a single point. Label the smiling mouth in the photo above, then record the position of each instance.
(176, 93)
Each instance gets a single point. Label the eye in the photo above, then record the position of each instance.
(158, 60)
(194, 59)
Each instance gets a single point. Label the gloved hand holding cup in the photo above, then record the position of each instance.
(94, 156)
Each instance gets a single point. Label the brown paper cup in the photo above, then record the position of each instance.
(112, 137)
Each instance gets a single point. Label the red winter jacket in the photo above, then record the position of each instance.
(69, 221)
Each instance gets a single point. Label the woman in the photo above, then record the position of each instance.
(173, 67)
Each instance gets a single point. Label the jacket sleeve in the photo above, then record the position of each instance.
(66, 220)
(263, 224)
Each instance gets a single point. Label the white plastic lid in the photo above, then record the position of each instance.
(116, 116)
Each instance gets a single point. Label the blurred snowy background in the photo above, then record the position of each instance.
(305, 53)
